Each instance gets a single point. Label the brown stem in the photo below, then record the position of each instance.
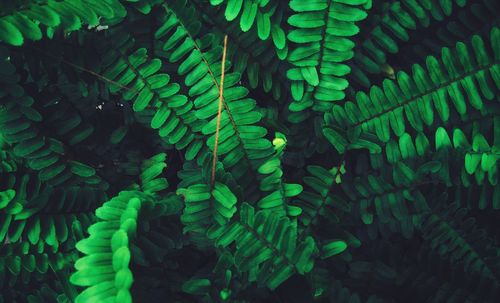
(219, 112)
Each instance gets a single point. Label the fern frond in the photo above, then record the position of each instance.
(396, 25)
(266, 16)
(206, 205)
(142, 156)
(139, 78)
(461, 161)
(248, 54)
(36, 213)
(318, 199)
(266, 245)
(151, 169)
(397, 197)
(22, 265)
(25, 24)
(452, 234)
(322, 43)
(241, 140)
(49, 216)
(479, 159)
(19, 122)
(108, 251)
(112, 244)
(278, 192)
(477, 17)
(466, 82)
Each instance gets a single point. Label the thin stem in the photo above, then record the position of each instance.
(305, 231)
(210, 72)
(62, 276)
(219, 112)
(427, 92)
(83, 69)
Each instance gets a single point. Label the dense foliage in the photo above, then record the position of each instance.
(352, 157)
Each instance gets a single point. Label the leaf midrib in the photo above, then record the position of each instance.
(155, 94)
(212, 75)
(472, 249)
(322, 46)
(269, 245)
(427, 92)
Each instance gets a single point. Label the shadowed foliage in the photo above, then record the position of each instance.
(259, 151)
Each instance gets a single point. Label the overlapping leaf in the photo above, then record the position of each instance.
(263, 18)
(28, 23)
(322, 46)
(140, 80)
(468, 82)
(266, 245)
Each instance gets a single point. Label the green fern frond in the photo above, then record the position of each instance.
(238, 151)
(451, 30)
(395, 26)
(241, 140)
(266, 16)
(319, 197)
(206, 205)
(322, 36)
(460, 245)
(49, 218)
(398, 196)
(69, 14)
(140, 79)
(266, 246)
(19, 121)
(108, 251)
(105, 271)
(278, 193)
(466, 82)
(450, 148)
(22, 265)
(248, 54)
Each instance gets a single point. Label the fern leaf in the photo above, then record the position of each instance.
(140, 80)
(266, 16)
(108, 251)
(278, 192)
(70, 14)
(205, 206)
(418, 97)
(19, 121)
(238, 142)
(322, 36)
(267, 243)
(462, 250)
(395, 26)
(249, 55)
